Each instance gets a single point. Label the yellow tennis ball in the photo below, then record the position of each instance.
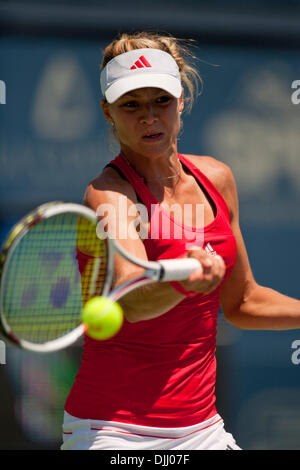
(103, 318)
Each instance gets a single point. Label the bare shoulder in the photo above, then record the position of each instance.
(221, 176)
(216, 171)
(107, 187)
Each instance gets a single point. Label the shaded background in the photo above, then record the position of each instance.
(53, 140)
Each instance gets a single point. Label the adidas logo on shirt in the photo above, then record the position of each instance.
(209, 249)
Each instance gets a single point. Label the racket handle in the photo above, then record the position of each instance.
(178, 269)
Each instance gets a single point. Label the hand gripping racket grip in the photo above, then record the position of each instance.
(178, 269)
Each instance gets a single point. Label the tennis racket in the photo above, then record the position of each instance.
(52, 262)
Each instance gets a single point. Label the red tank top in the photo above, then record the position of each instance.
(159, 372)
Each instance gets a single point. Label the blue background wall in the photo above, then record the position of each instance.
(53, 140)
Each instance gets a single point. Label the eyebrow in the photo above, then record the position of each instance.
(130, 93)
(136, 94)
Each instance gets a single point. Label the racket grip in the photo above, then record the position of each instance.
(178, 269)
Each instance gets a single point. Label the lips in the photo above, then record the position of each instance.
(153, 136)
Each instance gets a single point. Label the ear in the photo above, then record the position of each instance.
(105, 109)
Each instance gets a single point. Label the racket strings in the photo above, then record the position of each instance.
(44, 286)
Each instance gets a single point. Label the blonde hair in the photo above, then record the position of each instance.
(177, 48)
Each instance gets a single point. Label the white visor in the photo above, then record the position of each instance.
(140, 68)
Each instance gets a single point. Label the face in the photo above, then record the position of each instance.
(147, 121)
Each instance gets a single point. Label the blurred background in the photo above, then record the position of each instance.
(53, 140)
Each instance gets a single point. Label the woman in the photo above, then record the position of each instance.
(152, 385)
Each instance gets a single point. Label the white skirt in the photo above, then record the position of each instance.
(89, 434)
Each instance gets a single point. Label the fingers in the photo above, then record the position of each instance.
(212, 274)
(203, 257)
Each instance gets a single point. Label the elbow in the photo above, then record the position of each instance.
(131, 317)
(135, 315)
(236, 319)
(246, 318)
(243, 313)
(130, 314)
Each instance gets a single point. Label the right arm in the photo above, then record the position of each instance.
(104, 194)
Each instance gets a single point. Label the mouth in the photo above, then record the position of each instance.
(153, 136)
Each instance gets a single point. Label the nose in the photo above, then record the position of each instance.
(148, 115)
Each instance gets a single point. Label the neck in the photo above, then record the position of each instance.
(165, 169)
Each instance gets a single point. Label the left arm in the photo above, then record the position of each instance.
(246, 304)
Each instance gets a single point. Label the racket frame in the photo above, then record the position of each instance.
(16, 234)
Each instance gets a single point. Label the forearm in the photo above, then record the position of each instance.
(266, 309)
(155, 299)
(149, 301)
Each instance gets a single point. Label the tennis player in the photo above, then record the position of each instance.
(152, 386)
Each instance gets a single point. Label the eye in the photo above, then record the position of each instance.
(129, 104)
(164, 99)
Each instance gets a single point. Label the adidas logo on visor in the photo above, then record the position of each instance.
(140, 68)
(141, 63)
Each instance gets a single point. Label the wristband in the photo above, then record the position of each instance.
(187, 293)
